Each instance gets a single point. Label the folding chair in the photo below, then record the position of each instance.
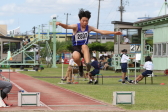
(98, 77)
(75, 70)
(151, 76)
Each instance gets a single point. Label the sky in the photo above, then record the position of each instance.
(29, 13)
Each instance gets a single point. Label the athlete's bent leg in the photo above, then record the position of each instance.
(76, 57)
(86, 54)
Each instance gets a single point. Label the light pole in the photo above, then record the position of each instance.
(66, 23)
(98, 20)
(54, 42)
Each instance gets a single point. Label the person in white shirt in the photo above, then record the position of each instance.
(126, 40)
(68, 75)
(105, 54)
(94, 53)
(100, 54)
(124, 60)
(149, 69)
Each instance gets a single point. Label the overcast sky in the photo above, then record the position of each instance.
(29, 13)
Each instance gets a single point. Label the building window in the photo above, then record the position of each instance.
(159, 49)
(163, 49)
(13, 46)
(155, 49)
(62, 37)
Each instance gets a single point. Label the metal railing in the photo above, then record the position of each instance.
(25, 47)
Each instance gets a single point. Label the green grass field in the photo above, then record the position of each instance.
(147, 97)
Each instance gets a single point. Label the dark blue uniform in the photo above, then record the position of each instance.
(96, 68)
(80, 38)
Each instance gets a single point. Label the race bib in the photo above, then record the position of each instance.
(81, 36)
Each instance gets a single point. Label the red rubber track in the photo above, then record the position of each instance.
(53, 97)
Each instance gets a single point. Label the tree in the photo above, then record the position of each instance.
(60, 47)
(108, 46)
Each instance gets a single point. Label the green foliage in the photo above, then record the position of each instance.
(60, 47)
(70, 47)
(150, 41)
(95, 46)
(108, 46)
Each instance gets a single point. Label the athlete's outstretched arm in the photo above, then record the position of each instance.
(66, 26)
(104, 32)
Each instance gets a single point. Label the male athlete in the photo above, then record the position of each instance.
(80, 38)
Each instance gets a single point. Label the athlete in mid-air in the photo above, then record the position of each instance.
(80, 38)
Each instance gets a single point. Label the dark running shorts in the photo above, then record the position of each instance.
(78, 49)
(124, 67)
(146, 73)
(94, 72)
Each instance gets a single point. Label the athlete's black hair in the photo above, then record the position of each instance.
(83, 13)
(148, 58)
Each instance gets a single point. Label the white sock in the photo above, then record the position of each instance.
(90, 79)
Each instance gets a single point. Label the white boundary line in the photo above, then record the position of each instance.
(26, 91)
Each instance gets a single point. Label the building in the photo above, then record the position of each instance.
(12, 44)
(3, 30)
(133, 33)
(159, 25)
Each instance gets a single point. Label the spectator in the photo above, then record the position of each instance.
(37, 57)
(5, 89)
(94, 72)
(26, 40)
(126, 40)
(102, 57)
(107, 63)
(124, 59)
(148, 66)
(68, 76)
(94, 53)
(109, 60)
(100, 54)
(105, 54)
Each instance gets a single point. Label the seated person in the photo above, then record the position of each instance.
(94, 72)
(26, 40)
(108, 63)
(70, 69)
(148, 66)
(5, 87)
(105, 66)
(126, 40)
(101, 64)
(68, 76)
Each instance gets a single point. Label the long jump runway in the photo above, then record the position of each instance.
(52, 97)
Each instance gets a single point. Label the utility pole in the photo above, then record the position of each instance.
(66, 23)
(98, 19)
(43, 25)
(121, 9)
(34, 31)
